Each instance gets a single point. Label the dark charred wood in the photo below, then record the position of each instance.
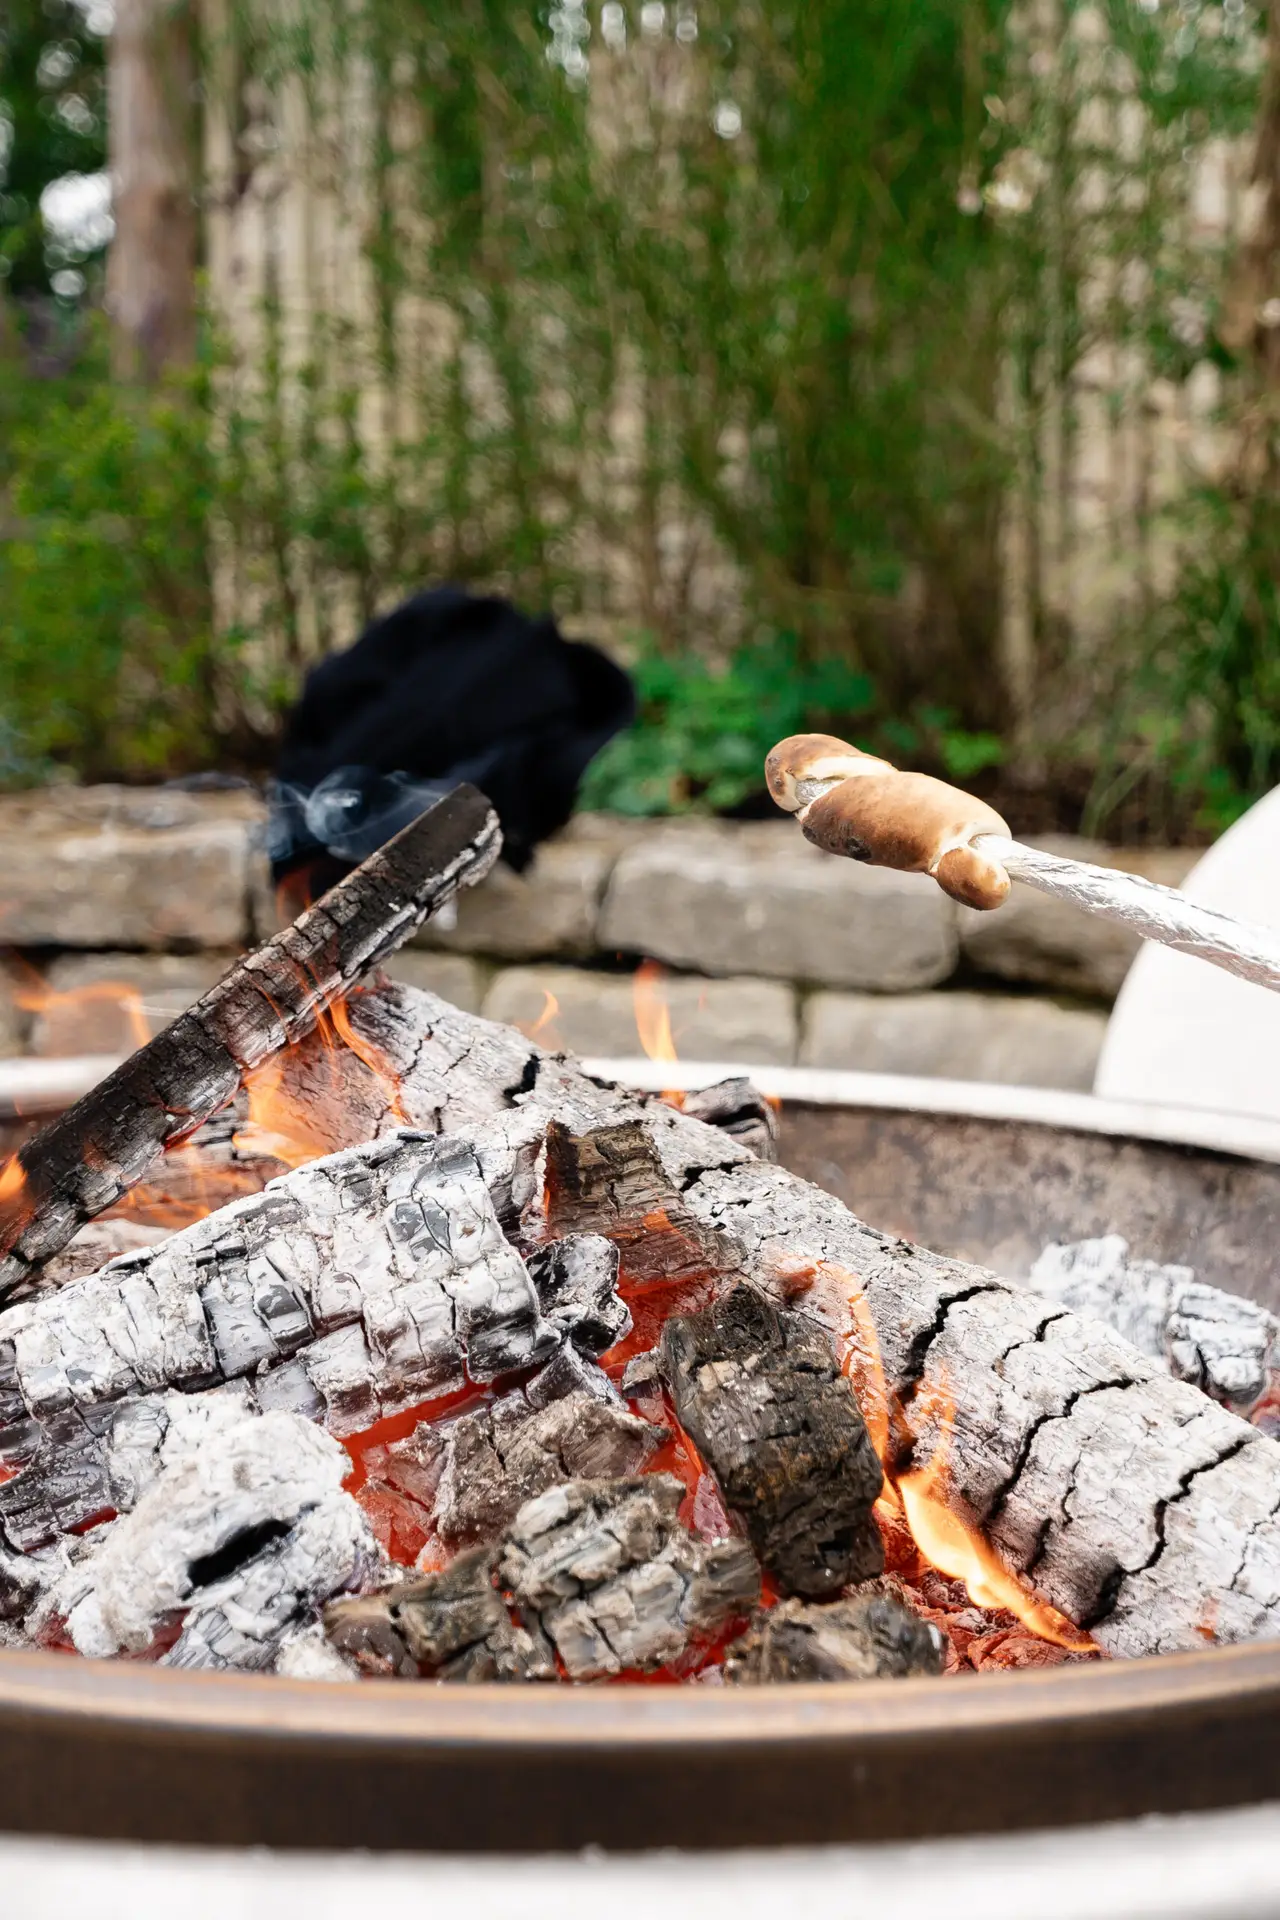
(740, 1111)
(473, 1474)
(577, 1283)
(92, 1154)
(760, 1394)
(865, 1636)
(362, 1630)
(611, 1181)
(616, 1581)
(457, 1626)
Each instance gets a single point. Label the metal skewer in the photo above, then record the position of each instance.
(851, 803)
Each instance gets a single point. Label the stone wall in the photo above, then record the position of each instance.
(119, 905)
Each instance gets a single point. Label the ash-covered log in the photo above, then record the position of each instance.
(865, 1636)
(346, 1291)
(1227, 1346)
(243, 1530)
(87, 1158)
(761, 1395)
(1128, 1500)
(597, 1574)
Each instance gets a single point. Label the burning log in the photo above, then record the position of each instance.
(347, 1290)
(98, 1149)
(1032, 1452)
(1226, 1346)
(599, 1575)
(761, 1394)
(868, 1636)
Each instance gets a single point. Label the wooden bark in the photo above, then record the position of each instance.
(1126, 1498)
(153, 154)
(761, 1395)
(89, 1156)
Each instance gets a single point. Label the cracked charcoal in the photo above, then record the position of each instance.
(762, 1397)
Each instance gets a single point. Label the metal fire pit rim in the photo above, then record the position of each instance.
(126, 1751)
(1071, 1697)
(1244, 1136)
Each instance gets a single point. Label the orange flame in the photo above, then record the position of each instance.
(959, 1550)
(35, 995)
(284, 1120)
(543, 1028)
(921, 1494)
(653, 1020)
(13, 1210)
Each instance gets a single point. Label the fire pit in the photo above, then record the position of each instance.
(171, 1493)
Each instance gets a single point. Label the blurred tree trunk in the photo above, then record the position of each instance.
(153, 151)
(1250, 324)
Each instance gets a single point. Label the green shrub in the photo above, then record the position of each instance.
(701, 736)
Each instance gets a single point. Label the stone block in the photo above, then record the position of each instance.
(15, 1017)
(740, 1020)
(548, 912)
(1042, 942)
(146, 868)
(761, 898)
(1016, 1040)
(453, 976)
(114, 1002)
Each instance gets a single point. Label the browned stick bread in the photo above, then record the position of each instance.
(850, 803)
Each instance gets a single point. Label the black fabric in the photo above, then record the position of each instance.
(447, 687)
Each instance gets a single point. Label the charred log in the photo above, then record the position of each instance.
(1226, 1346)
(90, 1155)
(347, 1290)
(473, 1474)
(577, 1283)
(457, 1626)
(762, 1397)
(738, 1110)
(598, 1574)
(611, 1181)
(616, 1581)
(866, 1636)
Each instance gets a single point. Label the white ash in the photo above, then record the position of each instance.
(348, 1290)
(615, 1580)
(243, 1532)
(1227, 1346)
(306, 1654)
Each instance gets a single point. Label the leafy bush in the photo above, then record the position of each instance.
(701, 736)
(110, 662)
